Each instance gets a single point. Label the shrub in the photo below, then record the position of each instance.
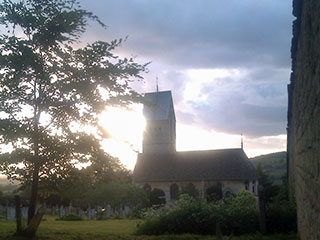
(281, 217)
(71, 217)
(238, 215)
(182, 218)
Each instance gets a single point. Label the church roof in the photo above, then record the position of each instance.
(215, 165)
(159, 106)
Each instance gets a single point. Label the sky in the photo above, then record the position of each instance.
(227, 64)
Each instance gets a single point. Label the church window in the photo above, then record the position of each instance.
(246, 184)
(214, 192)
(174, 191)
(157, 197)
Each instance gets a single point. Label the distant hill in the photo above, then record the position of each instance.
(273, 164)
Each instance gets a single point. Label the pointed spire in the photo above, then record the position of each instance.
(241, 141)
(157, 84)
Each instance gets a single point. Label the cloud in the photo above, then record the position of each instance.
(250, 39)
(201, 34)
(242, 107)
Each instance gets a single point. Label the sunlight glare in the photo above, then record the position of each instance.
(125, 128)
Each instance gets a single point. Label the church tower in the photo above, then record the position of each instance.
(160, 132)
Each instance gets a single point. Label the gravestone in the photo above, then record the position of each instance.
(70, 208)
(121, 212)
(24, 213)
(93, 213)
(80, 212)
(10, 213)
(54, 210)
(89, 213)
(108, 211)
(62, 212)
(126, 211)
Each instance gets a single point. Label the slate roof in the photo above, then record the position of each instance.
(159, 106)
(222, 164)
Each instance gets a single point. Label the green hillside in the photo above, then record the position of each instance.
(273, 164)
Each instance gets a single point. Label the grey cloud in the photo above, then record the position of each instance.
(253, 36)
(202, 33)
(235, 118)
(242, 107)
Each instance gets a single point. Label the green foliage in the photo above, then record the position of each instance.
(188, 215)
(281, 217)
(270, 190)
(117, 195)
(71, 217)
(281, 214)
(189, 189)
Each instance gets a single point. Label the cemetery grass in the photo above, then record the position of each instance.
(121, 229)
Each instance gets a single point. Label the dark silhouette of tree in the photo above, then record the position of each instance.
(51, 94)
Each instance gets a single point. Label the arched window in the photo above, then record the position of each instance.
(174, 191)
(214, 192)
(253, 186)
(157, 197)
(190, 189)
(246, 185)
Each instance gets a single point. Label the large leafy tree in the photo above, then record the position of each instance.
(51, 94)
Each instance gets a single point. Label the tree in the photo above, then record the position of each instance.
(270, 190)
(51, 94)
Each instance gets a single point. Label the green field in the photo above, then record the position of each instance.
(121, 229)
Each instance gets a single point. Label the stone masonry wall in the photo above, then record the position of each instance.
(304, 117)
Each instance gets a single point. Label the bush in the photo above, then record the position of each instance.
(238, 215)
(71, 217)
(281, 217)
(182, 218)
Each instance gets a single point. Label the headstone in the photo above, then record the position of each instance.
(121, 212)
(54, 210)
(24, 213)
(126, 211)
(93, 213)
(115, 212)
(62, 212)
(108, 211)
(10, 213)
(80, 212)
(89, 213)
(70, 208)
(99, 209)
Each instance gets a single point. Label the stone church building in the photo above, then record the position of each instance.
(160, 166)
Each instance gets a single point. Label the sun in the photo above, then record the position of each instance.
(125, 129)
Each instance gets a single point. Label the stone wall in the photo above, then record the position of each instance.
(304, 117)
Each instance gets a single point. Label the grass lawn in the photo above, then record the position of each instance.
(122, 229)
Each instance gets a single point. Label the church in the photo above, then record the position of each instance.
(160, 166)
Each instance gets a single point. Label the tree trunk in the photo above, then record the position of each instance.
(35, 174)
(34, 193)
(18, 214)
(262, 211)
(31, 230)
